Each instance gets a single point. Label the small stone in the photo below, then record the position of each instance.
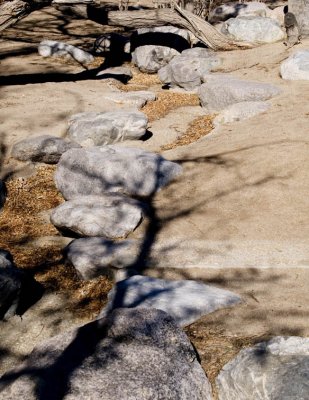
(96, 129)
(186, 301)
(52, 48)
(136, 98)
(111, 216)
(46, 149)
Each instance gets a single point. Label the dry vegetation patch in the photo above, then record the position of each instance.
(216, 348)
(198, 128)
(21, 222)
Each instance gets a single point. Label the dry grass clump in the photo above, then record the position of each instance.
(141, 81)
(21, 222)
(168, 101)
(198, 128)
(216, 348)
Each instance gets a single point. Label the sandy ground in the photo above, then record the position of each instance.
(238, 215)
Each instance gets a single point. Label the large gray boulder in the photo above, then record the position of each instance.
(151, 58)
(241, 111)
(47, 149)
(97, 129)
(186, 301)
(256, 30)
(98, 170)
(92, 257)
(276, 370)
(187, 69)
(296, 67)
(132, 354)
(111, 215)
(222, 90)
(52, 48)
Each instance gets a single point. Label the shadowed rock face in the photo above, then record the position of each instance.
(47, 149)
(132, 354)
(277, 370)
(186, 301)
(18, 291)
(104, 169)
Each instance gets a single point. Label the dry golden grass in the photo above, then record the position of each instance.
(198, 128)
(216, 348)
(168, 101)
(20, 223)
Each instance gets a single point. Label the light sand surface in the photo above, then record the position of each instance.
(239, 212)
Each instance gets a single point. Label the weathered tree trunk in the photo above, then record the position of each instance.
(301, 10)
(11, 12)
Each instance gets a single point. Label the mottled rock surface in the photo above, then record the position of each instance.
(122, 74)
(277, 370)
(186, 301)
(256, 30)
(49, 48)
(110, 215)
(187, 69)
(132, 354)
(93, 256)
(97, 129)
(151, 58)
(223, 90)
(233, 10)
(104, 169)
(47, 149)
(296, 67)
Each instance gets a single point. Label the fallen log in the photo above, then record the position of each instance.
(13, 11)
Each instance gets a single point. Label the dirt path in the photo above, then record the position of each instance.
(237, 217)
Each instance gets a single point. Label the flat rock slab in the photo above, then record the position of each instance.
(47, 149)
(222, 90)
(241, 111)
(111, 215)
(96, 129)
(136, 99)
(253, 29)
(186, 301)
(296, 67)
(187, 69)
(122, 74)
(151, 58)
(132, 354)
(93, 256)
(104, 169)
(49, 48)
(277, 370)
